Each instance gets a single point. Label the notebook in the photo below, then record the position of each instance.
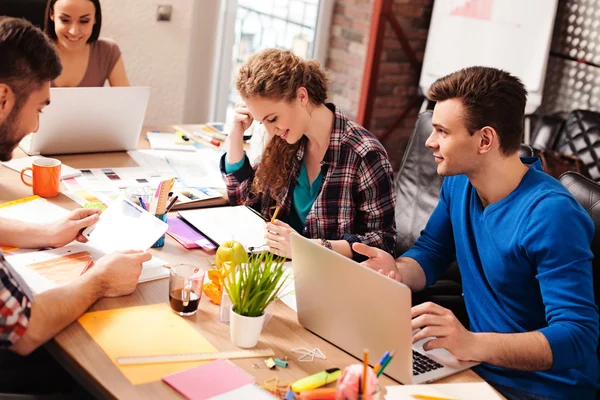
(197, 198)
(17, 164)
(208, 380)
(169, 142)
(222, 224)
(187, 236)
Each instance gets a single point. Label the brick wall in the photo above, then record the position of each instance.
(397, 83)
(348, 48)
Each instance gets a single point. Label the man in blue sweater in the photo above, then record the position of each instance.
(522, 243)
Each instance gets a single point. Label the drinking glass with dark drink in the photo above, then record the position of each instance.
(185, 288)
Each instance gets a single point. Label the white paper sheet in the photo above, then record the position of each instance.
(458, 391)
(249, 391)
(45, 275)
(289, 290)
(199, 169)
(39, 211)
(17, 164)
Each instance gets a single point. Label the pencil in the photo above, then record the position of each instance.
(365, 370)
(428, 397)
(275, 214)
(87, 267)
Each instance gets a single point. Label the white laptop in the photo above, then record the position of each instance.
(356, 308)
(89, 120)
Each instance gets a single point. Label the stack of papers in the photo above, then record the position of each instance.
(124, 332)
(208, 380)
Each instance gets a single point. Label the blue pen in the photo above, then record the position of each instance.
(142, 204)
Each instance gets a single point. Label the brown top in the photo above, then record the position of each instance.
(104, 54)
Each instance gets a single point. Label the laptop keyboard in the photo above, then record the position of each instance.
(423, 364)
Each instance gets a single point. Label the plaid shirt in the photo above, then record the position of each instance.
(356, 202)
(15, 305)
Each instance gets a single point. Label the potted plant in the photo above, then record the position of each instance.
(254, 286)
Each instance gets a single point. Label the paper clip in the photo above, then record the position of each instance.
(308, 355)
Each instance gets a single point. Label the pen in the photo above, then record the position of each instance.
(142, 204)
(182, 135)
(89, 265)
(208, 138)
(275, 214)
(377, 367)
(428, 397)
(385, 363)
(172, 203)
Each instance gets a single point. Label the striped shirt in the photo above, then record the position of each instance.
(356, 202)
(15, 305)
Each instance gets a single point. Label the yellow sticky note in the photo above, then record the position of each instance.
(145, 331)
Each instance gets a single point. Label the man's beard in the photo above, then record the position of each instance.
(9, 138)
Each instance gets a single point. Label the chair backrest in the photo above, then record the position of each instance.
(547, 131)
(417, 186)
(587, 193)
(581, 138)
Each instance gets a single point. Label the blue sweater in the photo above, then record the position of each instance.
(525, 263)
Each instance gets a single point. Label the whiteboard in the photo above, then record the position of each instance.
(513, 35)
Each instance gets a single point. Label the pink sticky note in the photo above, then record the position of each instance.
(208, 380)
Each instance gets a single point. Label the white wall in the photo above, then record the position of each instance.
(168, 56)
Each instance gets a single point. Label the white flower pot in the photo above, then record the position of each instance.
(244, 331)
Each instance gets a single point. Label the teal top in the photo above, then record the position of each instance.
(304, 195)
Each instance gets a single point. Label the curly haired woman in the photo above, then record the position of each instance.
(330, 177)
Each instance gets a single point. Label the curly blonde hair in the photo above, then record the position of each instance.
(276, 74)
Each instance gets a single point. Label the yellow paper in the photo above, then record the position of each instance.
(145, 331)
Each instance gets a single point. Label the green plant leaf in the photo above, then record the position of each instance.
(256, 285)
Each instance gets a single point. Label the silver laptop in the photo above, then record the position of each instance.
(89, 120)
(356, 308)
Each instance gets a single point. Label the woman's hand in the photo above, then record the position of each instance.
(278, 238)
(241, 120)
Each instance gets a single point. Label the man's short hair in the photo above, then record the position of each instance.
(491, 97)
(28, 58)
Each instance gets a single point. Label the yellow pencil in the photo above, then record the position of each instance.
(365, 370)
(275, 214)
(427, 397)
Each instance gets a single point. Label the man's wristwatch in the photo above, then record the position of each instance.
(326, 243)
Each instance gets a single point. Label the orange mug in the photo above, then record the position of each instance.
(46, 177)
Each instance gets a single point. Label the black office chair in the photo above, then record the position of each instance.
(417, 187)
(587, 193)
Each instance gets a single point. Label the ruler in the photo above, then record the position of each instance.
(169, 358)
(20, 201)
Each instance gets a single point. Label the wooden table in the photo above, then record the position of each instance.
(84, 359)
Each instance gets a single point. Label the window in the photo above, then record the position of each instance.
(250, 26)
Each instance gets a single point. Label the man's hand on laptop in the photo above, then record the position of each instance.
(379, 260)
(117, 273)
(69, 228)
(433, 320)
